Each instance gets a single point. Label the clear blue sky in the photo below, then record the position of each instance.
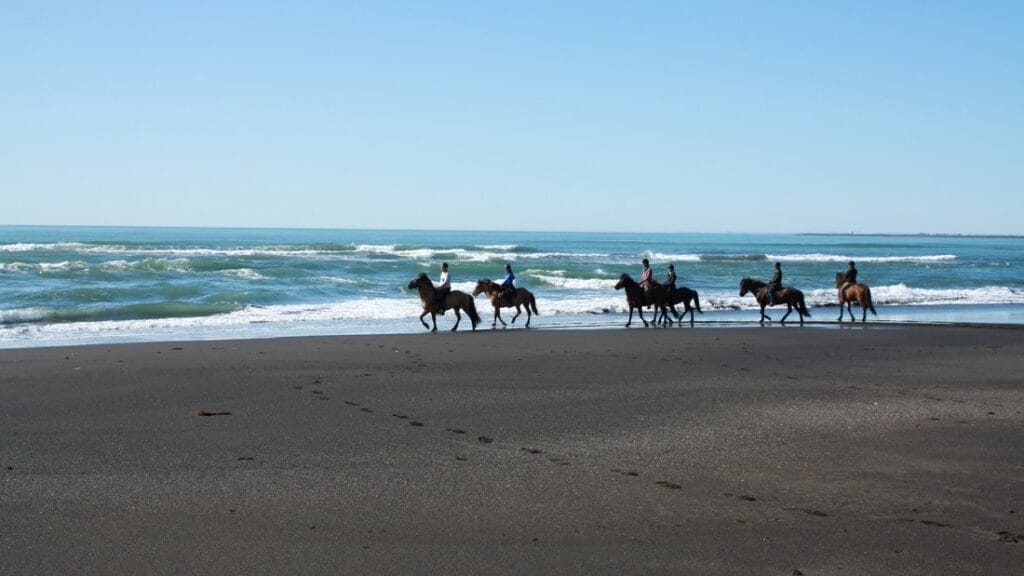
(713, 116)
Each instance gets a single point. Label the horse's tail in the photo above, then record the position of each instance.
(533, 304)
(871, 305)
(803, 306)
(474, 318)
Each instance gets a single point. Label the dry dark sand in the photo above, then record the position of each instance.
(679, 451)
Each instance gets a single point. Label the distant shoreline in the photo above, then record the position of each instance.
(913, 235)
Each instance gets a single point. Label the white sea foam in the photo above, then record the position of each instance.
(573, 283)
(65, 266)
(245, 273)
(51, 246)
(817, 257)
(661, 257)
(336, 280)
(901, 294)
(152, 264)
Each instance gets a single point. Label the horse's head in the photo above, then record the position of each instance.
(482, 285)
(623, 281)
(418, 280)
(746, 286)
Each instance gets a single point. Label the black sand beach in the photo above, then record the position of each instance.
(707, 451)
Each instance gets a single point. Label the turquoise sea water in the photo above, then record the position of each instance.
(66, 285)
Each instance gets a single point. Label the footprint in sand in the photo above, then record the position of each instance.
(1010, 537)
(810, 511)
(669, 485)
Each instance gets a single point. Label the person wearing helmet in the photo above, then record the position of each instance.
(670, 279)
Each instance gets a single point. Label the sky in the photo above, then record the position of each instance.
(676, 116)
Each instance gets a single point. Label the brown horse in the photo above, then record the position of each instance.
(789, 296)
(637, 298)
(454, 300)
(684, 296)
(859, 293)
(522, 299)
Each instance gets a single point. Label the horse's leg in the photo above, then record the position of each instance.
(789, 310)
(640, 310)
(458, 318)
(433, 320)
(630, 321)
(863, 308)
(424, 322)
(497, 316)
(518, 312)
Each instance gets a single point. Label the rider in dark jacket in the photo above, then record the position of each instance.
(774, 284)
(670, 279)
(848, 280)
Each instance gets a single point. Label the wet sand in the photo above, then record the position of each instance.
(704, 451)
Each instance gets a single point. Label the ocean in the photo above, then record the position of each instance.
(85, 285)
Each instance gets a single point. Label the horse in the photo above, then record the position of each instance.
(788, 295)
(454, 300)
(859, 293)
(522, 299)
(637, 297)
(684, 296)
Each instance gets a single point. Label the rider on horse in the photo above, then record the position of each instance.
(670, 280)
(848, 280)
(774, 284)
(646, 279)
(508, 289)
(442, 288)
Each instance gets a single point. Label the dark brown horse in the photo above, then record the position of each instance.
(454, 300)
(684, 296)
(859, 293)
(637, 298)
(522, 299)
(787, 295)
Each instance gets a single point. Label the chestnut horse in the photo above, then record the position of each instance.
(684, 296)
(454, 300)
(859, 293)
(523, 299)
(787, 295)
(637, 298)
